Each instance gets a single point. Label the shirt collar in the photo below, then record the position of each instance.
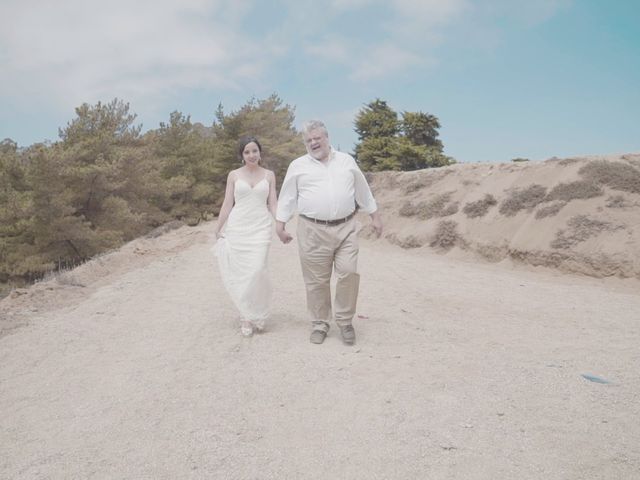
(332, 155)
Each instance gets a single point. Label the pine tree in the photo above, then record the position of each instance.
(387, 143)
(16, 241)
(271, 122)
(187, 168)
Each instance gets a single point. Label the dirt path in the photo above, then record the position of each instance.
(461, 371)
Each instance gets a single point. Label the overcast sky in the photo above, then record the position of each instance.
(506, 78)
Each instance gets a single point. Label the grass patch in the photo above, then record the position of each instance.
(523, 199)
(581, 228)
(479, 208)
(550, 210)
(578, 190)
(446, 235)
(616, 175)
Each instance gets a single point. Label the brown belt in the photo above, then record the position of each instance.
(330, 223)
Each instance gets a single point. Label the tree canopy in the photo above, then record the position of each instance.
(103, 183)
(387, 142)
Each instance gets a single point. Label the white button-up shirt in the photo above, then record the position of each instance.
(324, 191)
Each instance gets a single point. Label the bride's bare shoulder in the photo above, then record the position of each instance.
(233, 174)
(269, 173)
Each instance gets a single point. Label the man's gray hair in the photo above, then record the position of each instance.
(314, 125)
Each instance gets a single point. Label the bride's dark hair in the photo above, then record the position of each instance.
(244, 141)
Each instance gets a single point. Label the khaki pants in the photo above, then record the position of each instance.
(323, 249)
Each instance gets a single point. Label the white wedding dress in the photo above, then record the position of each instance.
(243, 250)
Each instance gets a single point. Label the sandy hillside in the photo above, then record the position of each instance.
(131, 366)
(578, 215)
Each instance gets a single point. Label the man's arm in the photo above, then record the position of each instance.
(286, 204)
(376, 223)
(364, 198)
(283, 235)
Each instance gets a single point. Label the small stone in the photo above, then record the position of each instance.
(448, 447)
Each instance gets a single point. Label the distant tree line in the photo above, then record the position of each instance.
(104, 183)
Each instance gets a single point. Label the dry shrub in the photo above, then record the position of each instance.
(616, 175)
(410, 241)
(581, 228)
(380, 181)
(67, 278)
(165, 228)
(414, 187)
(409, 209)
(521, 199)
(617, 201)
(632, 158)
(479, 208)
(490, 252)
(425, 179)
(550, 210)
(5, 290)
(565, 161)
(439, 206)
(598, 264)
(580, 189)
(370, 177)
(446, 235)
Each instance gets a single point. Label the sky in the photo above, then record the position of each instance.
(506, 78)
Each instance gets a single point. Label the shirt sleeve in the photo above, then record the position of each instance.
(288, 198)
(364, 197)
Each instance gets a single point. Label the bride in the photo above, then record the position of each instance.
(242, 248)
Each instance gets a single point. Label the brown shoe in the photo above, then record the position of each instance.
(348, 335)
(318, 336)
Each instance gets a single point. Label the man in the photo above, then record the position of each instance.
(326, 187)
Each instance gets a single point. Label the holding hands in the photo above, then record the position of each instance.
(283, 235)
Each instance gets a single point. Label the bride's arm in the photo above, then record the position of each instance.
(272, 200)
(227, 204)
